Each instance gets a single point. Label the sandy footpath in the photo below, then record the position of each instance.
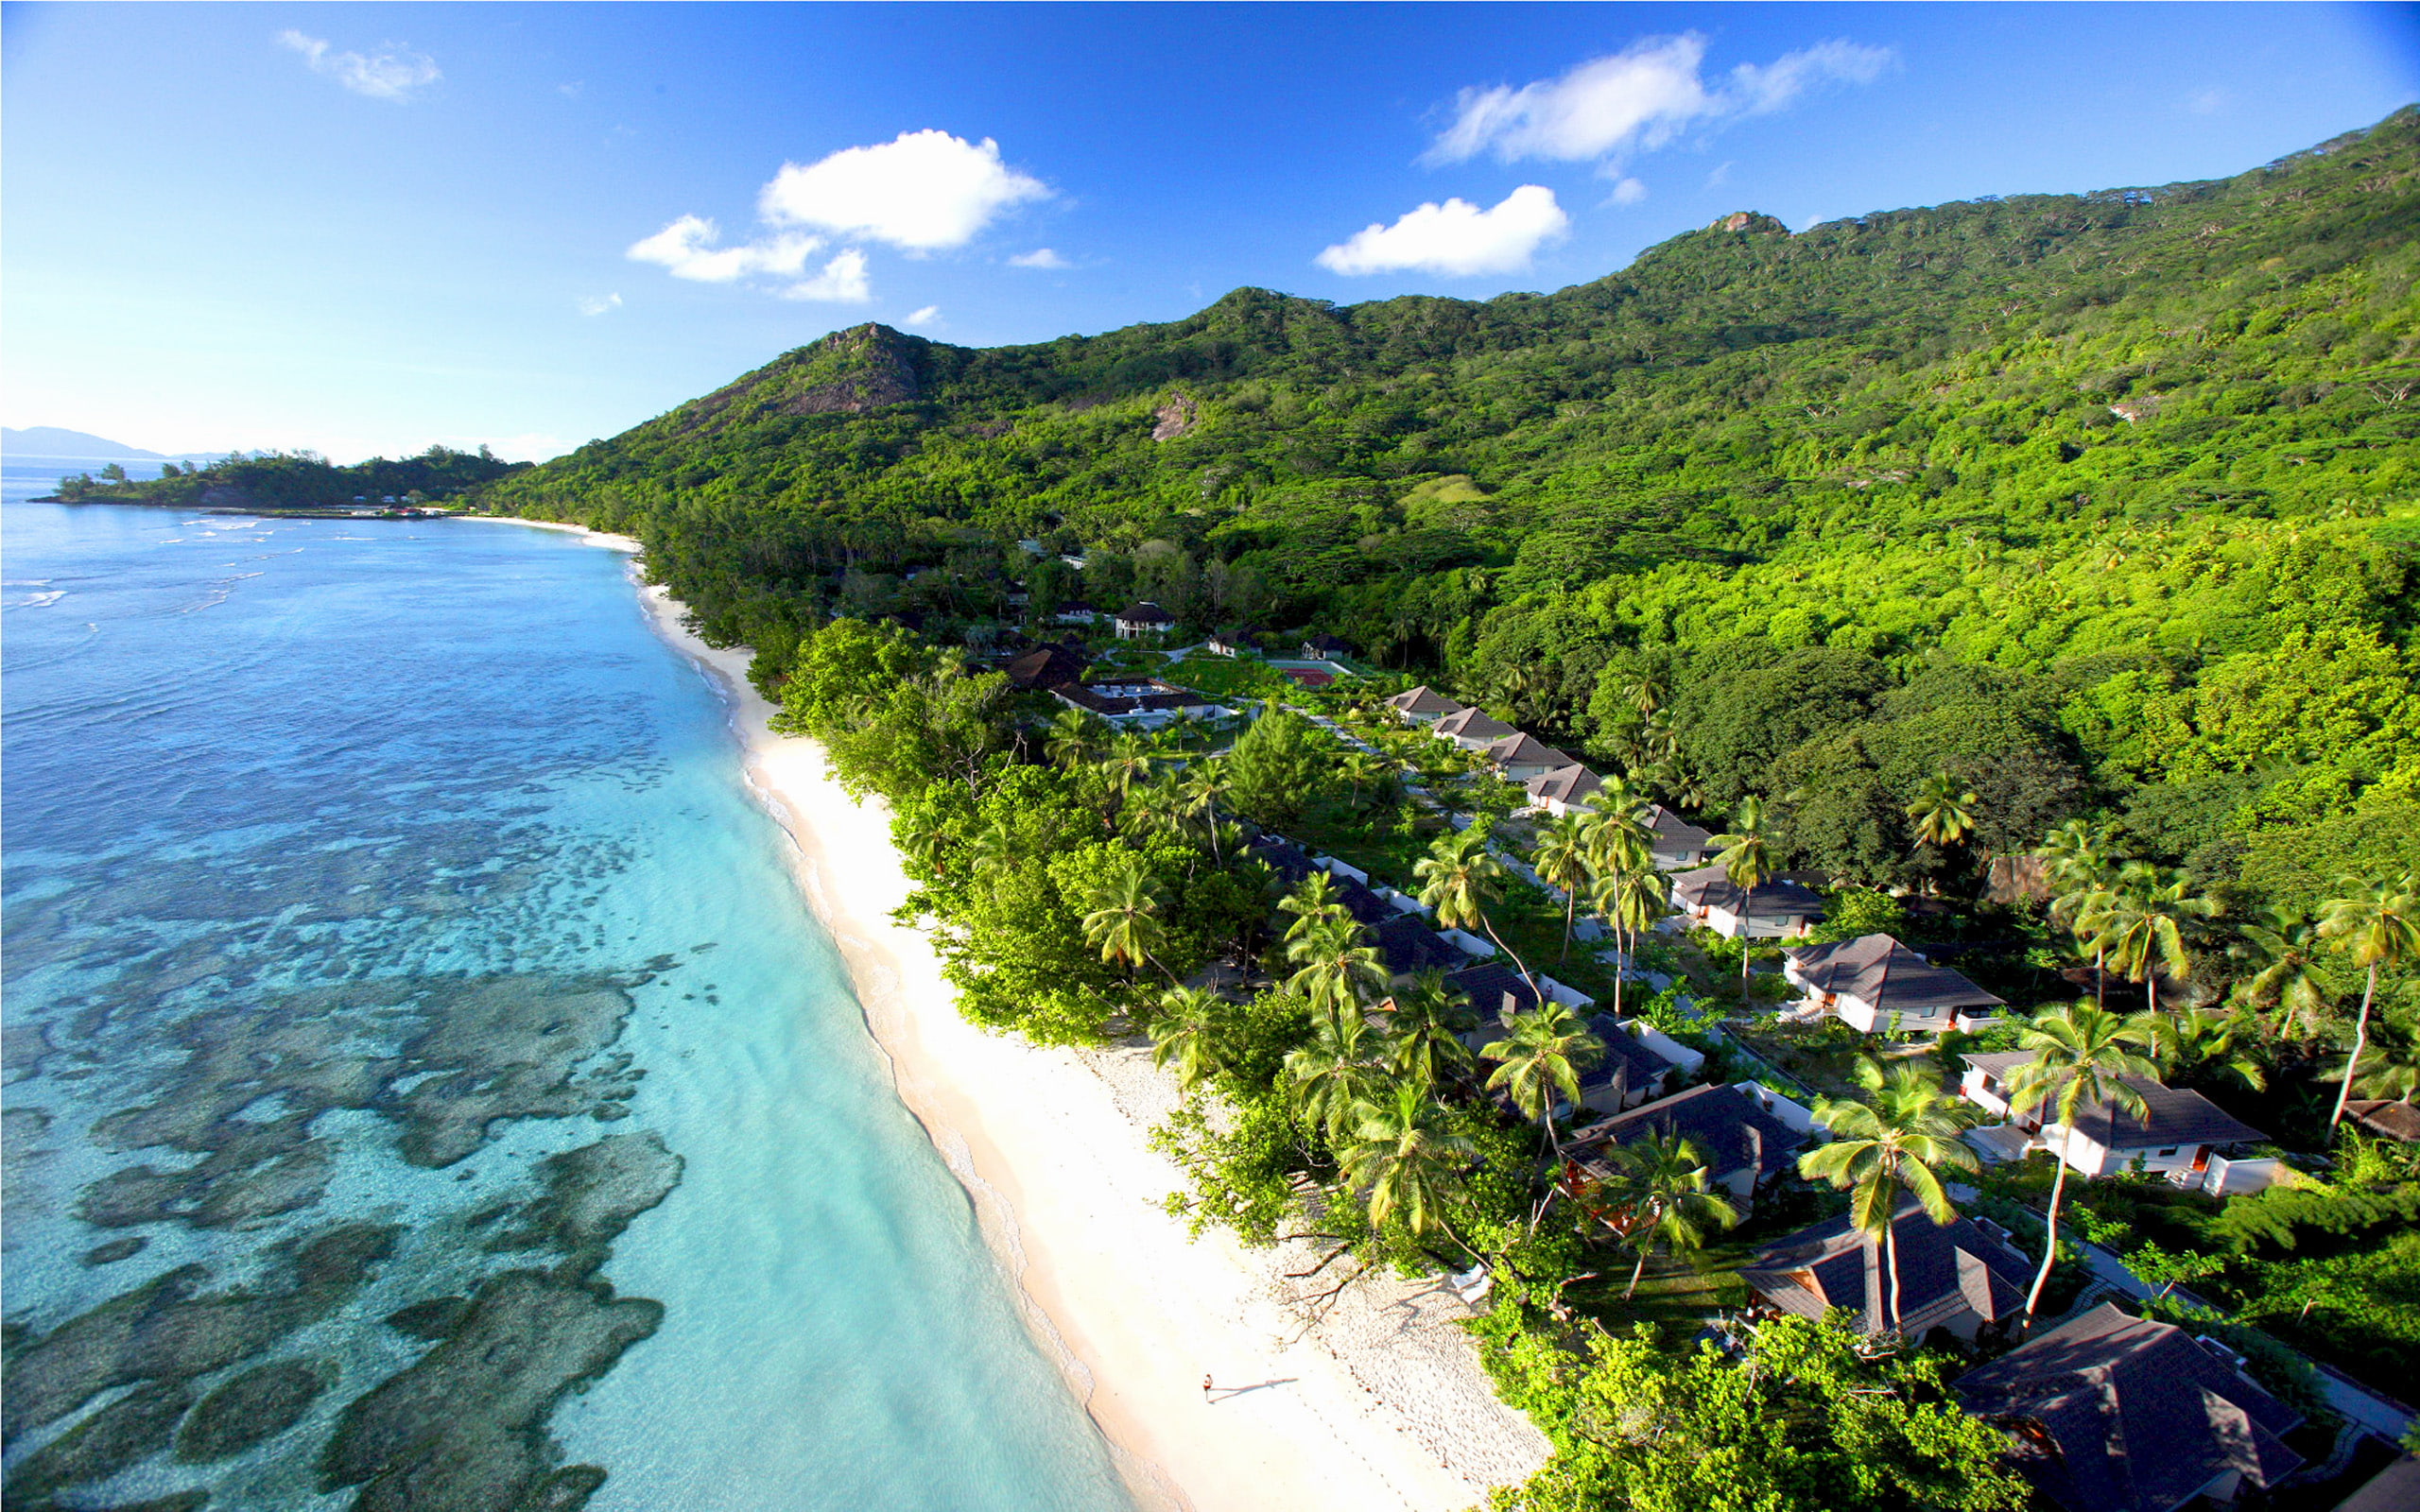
(1378, 1404)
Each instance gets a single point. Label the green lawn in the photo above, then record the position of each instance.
(1677, 1295)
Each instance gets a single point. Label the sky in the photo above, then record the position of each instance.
(364, 229)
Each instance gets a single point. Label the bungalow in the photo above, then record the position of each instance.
(1875, 984)
(1292, 863)
(1142, 619)
(1733, 1128)
(1675, 842)
(1518, 757)
(1959, 1276)
(1563, 790)
(1423, 705)
(1234, 641)
(2112, 1413)
(1776, 909)
(1047, 667)
(1145, 703)
(1628, 1074)
(1367, 909)
(2179, 1134)
(1472, 730)
(1409, 946)
(1319, 647)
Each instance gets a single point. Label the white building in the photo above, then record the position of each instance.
(2179, 1134)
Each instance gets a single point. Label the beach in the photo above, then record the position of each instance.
(1379, 1403)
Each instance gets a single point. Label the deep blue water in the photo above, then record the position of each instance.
(387, 926)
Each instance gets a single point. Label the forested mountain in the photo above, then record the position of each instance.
(2100, 501)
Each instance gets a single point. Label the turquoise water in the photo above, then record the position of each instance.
(425, 1086)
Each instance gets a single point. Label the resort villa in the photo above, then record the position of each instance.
(1423, 706)
(1879, 986)
(1959, 1276)
(1141, 620)
(2180, 1134)
(1745, 1133)
(1470, 730)
(1141, 703)
(1676, 844)
(1777, 908)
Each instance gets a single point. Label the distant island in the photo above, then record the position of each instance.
(57, 440)
(292, 481)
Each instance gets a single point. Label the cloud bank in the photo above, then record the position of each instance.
(1039, 257)
(686, 248)
(391, 76)
(925, 191)
(1455, 237)
(1639, 99)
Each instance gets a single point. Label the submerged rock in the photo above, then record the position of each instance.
(135, 1425)
(462, 1430)
(431, 1320)
(258, 1173)
(591, 1194)
(505, 1047)
(115, 1250)
(251, 1408)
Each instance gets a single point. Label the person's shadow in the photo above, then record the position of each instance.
(1220, 1394)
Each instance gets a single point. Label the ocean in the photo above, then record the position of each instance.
(425, 1086)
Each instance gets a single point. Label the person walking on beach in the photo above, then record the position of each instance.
(1206, 1387)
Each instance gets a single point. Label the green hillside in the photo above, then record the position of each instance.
(2100, 501)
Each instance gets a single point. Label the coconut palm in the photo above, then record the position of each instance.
(2196, 1043)
(1746, 857)
(2080, 1057)
(1124, 921)
(1632, 899)
(1458, 879)
(2080, 862)
(1427, 1021)
(1657, 1194)
(1333, 968)
(1362, 770)
(1561, 860)
(1340, 1069)
(1153, 807)
(1407, 1157)
(1205, 787)
(994, 848)
(1894, 1141)
(2376, 923)
(2391, 1071)
(1543, 1053)
(1944, 811)
(2140, 919)
(1073, 735)
(1128, 760)
(2285, 948)
(1313, 902)
(1182, 1033)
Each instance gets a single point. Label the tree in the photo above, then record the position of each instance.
(1541, 1053)
(1205, 785)
(2285, 945)
(1407, 1157)
(1129, 761)
(1632, 898)
(1313, 902)
(1427, 1021)
(1561, 860)
(2140, 921)
(1331, 967)
(1184, 1031)
(1072, 738)
(1275, 768)
(2080, 1057)
(2375, 923)
(1124, 919)
(1336, 1072)
(1893, 1141)
(1657, 1195)
(2079, 862)
(1943, 811)
(1745, 856)
(1457, 878)
(2193, 1044)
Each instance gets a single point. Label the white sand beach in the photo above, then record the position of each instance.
(1381, 1405)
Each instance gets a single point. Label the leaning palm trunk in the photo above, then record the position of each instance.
(2049, 1238)
(1635, 1271)
(1621, 960)
(1891, 1250)
(2361, 1043)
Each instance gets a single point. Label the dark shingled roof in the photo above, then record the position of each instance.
(1487, 983)
(1517, 750)
(1328, 644)
(1625, 1061)
(1409, 943)
(2171, 1115)
(1774, 898)
(1472, 725)
(1880, 971)
(1673, 833)
(1565, 784)
(1424, 700)
(1943, 1272)
(1145, 613)
(2136, 1416)
(1290, 861)
(1048, 666)
(1366, 907)
(2396, 1120)
(1732, 1134)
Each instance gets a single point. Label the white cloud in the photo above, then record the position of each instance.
(926, 191)
(843, 282)
(930, 314)
(687, 247)
(1638, 99)
(593, 305)
(387, 76)
(1455, 237)
(1039, 257)
(1628, 192)
(2207, 102)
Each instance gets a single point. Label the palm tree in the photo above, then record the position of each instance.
(1154, 806)
(2080, 862)
(2392, 1072)
(1944, 811)
(1360, 769)
(1561, 860)
(1182, 1032)
(1336, 1072)
(1632, 899)
(993, 848)
(2197, 1040)
(1205, 784)
(1313, 902)
(1128, 760)
(2376, 923)
(1541, 1053)
(1427, 1021)
(2286, 946)
(1894, 1141)
(1746, 857)
(2140, 921)
(1408, 1157)
(1659, 1190)
(2080, 1057)
(1071, 738)
(1458, 879)
(1333, 966)
(1124, 921)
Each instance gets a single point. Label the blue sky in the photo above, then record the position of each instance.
(364, 227)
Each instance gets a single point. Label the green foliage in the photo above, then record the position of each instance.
(1805, 1422)
(300, 480)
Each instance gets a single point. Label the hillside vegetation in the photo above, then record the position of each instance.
(2100, 501)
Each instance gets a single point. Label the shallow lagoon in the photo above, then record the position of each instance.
(426, 1086)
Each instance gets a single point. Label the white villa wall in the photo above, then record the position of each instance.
(1665, 1045)
(1335, 867)
(1782, 1109)
(1467, 943)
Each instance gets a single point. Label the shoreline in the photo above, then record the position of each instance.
(1381, 1405)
